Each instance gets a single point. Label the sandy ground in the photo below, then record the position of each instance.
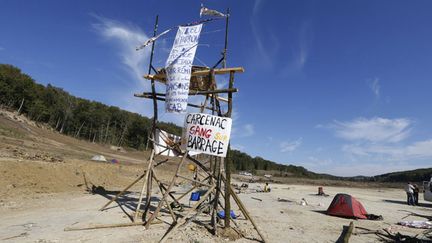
(44, 219)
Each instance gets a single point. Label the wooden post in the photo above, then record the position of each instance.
(183, 220)
(123, 191)
(348, 232)
(167, 203)
(164, 188)
(144, 184)
(246, 213)
(156, 212)
(104, 226)
(228, 161)
(227, 192)
(217, 192)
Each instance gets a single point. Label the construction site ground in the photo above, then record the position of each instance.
(46, 180)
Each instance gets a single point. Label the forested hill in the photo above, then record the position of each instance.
(417, 175)
(97, 122)
(71, 115)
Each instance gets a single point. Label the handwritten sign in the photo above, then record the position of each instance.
(178, 68)
(206, 133)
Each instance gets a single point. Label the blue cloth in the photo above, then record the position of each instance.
(195, 196)
(221, 214)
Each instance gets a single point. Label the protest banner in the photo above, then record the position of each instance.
(178, 68)
(206, 133)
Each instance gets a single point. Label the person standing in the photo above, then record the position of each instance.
(409, 189)
(416, 194)
(267, 187)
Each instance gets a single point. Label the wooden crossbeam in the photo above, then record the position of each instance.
(162, 76)
(193, 92)
(195, 181)
(163, 99)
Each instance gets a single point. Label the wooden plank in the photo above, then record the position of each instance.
(122, 192)
(219, 71)
(163, 99)
(198, 182)
(193, 92)
(246, 213)
(104, 226)
(348, 233)
(162, 76)
(144, 184)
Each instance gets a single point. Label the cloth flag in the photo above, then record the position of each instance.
(151, 40)
(210, 12)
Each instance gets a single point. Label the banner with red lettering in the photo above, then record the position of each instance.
(206, 133)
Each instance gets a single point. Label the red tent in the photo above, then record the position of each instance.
(345, 205)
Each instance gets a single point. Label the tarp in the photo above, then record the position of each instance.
(417, 224)
(345, 205)
(162, 142)
(99, 158)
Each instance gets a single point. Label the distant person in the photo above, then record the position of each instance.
(416, 194)
(430, 184)
(267, 187)
(409, 189)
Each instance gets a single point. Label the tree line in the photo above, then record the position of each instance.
(74, 116)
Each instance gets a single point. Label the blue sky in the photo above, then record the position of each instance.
(340, 87)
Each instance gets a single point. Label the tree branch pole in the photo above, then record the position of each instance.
(228, 163)
(194, 92)
(155, 117)
(226, 39)
(156, 212)
(163, 99)
(146, 179)
(123, 191)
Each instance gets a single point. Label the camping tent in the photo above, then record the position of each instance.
(345, 205)
(99, 158)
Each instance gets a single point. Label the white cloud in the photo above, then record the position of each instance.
(289, 146)
(123, 39)
(262, 49)
(367, 169)
(256, 7)
(127, 37)
(420, 149)
(381, 139)
(416, 150)
(249, 130)
(305, 39)
(374, 130)
(375, 86)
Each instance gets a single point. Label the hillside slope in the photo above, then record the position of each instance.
(35, 159)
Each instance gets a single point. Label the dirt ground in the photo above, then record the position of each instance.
(43, 192)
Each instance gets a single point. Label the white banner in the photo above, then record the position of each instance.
(178, 68)
(164, 141)
(206, 133)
